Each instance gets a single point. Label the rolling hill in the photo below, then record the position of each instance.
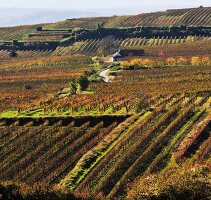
(174, 17)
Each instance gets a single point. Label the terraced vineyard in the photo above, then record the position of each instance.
(46, 35)
(174, 17)
(91, 47)
(152, 46)
(16, 33)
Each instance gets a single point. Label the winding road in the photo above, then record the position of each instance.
(104, 76)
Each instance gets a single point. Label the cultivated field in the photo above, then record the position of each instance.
(145, 134)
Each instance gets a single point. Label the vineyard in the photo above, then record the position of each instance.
(75, 125)
(48, 35)
(147, 145)
(191, 44)
(91, 47)
(54, 142)
(177, 17)
(45, 152)
(5, 54)
(27, 82)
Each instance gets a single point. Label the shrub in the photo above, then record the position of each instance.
(39, 28)
(83, 83)
(182, 61)
(13, 54)
(27, 87)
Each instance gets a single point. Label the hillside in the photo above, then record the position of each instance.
(174, 17)
(177, 17)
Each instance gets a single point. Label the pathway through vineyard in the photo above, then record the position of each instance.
(104, 75)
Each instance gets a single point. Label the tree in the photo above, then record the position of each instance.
(148, 63)
(27, 87)
(39, 28)
(98, 27)
(195, 61)
(107, 46)
(206, 60)
(73, 87)
(83, 83)
(182, 61)
(13, 54)
(171, 61)
(15, 42)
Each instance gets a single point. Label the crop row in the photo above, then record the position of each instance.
(144, 147)
(44, 154)
(90, 47)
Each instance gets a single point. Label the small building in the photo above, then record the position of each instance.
(118, 56)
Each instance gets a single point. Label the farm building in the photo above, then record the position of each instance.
(118, 56)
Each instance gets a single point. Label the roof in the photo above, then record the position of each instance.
(117, 54)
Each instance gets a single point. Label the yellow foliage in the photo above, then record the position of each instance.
(148, 62)
(195, 61)
(136, 62)
(182, 61)
(125, 65)
(171, 61)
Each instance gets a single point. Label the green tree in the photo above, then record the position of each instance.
(107, 46)
(39, 28)
(83, 83)
(98, 27)
(73, 87)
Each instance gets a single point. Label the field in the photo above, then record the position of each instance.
(27, 83)
(66, 133)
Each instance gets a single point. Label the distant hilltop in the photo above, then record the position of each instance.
(191, 17)
(171, 17)
(174, 17)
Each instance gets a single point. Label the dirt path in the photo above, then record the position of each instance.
(104, 76)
